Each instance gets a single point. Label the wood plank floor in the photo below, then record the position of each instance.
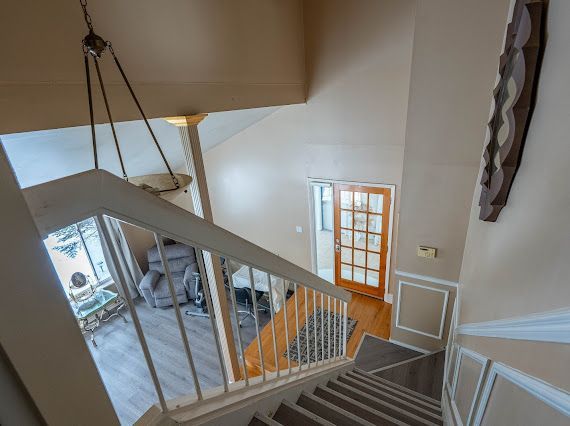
(376, 353)
(424, 375)
(373, 317)
(122, 367)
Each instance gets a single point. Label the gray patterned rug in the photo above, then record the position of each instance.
(294, 353)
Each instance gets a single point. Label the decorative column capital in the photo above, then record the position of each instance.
(186, 120)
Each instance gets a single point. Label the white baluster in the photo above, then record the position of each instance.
(179, 320)
(273, 323)
(285, 288)
(256, 315)
(307, 327)
(315, 327)
(345, 335)
(234, 303)
(205, 287)
(136, 321)
(297, 325)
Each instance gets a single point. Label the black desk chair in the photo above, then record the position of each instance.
(244, 297)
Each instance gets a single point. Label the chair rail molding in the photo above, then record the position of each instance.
(551, 326)
(550, 395)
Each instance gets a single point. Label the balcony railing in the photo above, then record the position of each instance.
(97, 194)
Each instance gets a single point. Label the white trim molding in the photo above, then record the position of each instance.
(484, 367)
(326, 182)
(427, 278)
(439, 336)
(551, 326)
(407, 345)
(545, 392)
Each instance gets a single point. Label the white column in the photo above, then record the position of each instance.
(190, 139)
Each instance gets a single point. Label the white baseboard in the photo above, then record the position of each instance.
(412, 347)
(389, 298)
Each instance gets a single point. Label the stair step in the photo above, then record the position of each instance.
(396, 393)
(289, 413)
(330, 412)
(387, 397)
(398, 387)
(361, 410)
(261, 420)
(378, 404)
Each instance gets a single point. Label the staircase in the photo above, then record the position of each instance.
(358, 398)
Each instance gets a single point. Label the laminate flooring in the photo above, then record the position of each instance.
(376, 353)
(122, 366)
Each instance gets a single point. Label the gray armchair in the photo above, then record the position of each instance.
(182, 262)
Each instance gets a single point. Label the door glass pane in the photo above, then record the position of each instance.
(346, 255)
(374, 242)
(372, 278)
(360, 221)
(360, 240)
(346, 200)
(359, 257)
(346, 237)
(345, 219)
(376, 202)
(374, 223)
(346, 271)
(373, 260)
(361, 201)
(359, 275)
(323, 215)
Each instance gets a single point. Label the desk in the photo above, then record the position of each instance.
(241, 280)
(91, 312)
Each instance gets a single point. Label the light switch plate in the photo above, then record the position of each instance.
(427, 252)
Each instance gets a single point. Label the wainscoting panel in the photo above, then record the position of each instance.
(470, 371)
(426, 314)
(522, 398)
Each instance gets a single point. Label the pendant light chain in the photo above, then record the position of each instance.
(94, 45)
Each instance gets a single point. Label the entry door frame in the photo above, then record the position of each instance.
(310, 182)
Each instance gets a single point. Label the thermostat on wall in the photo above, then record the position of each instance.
(428, 252)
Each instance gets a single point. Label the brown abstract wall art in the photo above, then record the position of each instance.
(513, 102)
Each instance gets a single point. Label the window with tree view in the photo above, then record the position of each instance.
(77, 248)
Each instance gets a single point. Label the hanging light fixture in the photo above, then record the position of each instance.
(93, 47)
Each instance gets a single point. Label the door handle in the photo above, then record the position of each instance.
(337, 247)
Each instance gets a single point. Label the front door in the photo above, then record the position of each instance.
(361, 223)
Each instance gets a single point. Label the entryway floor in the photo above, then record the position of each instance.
(373, 316)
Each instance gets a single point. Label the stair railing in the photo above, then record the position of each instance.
(98, 194)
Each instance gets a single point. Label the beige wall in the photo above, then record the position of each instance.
(351, 128)
(201, 55)
(509, 404)
(455, 57)
(519, 265)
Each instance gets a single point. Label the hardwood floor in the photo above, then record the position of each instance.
(122, 367)
(373, 317)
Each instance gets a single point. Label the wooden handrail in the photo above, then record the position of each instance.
(71, 199)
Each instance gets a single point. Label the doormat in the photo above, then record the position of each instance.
(328, 339)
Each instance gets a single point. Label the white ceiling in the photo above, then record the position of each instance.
(41, 156)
